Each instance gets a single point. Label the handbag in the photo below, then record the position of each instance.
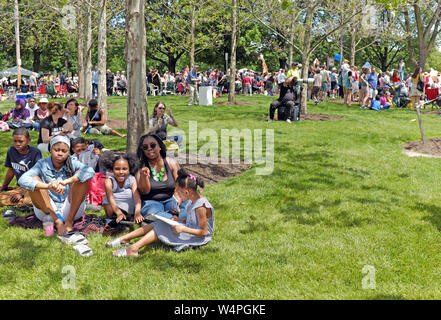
(420, 86)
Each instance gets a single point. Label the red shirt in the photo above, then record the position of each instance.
(247, 80)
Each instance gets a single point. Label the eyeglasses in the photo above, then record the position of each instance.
(146, 146)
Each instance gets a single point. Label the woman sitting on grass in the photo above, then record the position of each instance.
(122, 196)
(156, 179)
(73, 111)
(159, 121)
(196, 230)
(96, 121)
(58, 186)
(53, 126)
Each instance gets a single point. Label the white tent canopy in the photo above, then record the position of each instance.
(13, 72)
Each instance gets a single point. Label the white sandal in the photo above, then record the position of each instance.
(74, 239)
(83, 250)
(115, 243)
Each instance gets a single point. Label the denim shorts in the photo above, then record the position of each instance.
(162, 207)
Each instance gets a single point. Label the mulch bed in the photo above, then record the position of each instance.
(431, 147)
(315, 117)
(237, 103)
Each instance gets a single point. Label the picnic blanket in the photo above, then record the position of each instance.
(87, 224)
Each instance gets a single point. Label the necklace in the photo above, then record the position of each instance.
(158, 176)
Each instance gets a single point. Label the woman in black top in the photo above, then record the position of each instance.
(53, 126)
(156, 179)
(286, 99)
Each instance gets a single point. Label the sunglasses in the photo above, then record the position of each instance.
(146, 146)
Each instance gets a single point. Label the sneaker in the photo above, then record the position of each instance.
(316, 102)
(270, 120)
(287, 120)
(9, 214)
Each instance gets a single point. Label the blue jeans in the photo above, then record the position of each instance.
(94, 90)
(36, 125)
(161, 208)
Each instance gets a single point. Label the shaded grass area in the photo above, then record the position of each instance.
(341, 196)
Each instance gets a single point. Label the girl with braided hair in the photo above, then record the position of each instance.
(196, 230)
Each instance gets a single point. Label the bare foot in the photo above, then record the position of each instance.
(129, 252)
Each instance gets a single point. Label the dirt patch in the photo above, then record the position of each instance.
(114, 106)
(237, 103)
(431, 148)
(211, 170)
(432, 112)
(320, 117)
(315, 117)
(117, 123)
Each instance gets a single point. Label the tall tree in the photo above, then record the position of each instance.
(232, 91)
(422, 24)
(137, 119)
(102, 55)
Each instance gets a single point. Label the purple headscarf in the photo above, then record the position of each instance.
(21, 102)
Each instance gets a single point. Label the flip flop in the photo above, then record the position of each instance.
(115, 243)
(73, 238)
(83, 250)
(120, 253)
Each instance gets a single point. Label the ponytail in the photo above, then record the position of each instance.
(187, 180)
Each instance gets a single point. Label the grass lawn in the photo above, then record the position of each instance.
(342, 196)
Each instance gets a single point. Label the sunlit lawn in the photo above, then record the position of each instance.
(342, 196)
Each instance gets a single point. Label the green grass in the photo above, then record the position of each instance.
(342, 196)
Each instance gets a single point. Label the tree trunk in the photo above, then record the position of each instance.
(17, 43)
(80, 49)
(102, 56)
(232, 90)
(306, 55)
(87, 58)
(135, 51)
(353, 38)
(291, 39)
(37, 60)
(410, 44)
(192, 36)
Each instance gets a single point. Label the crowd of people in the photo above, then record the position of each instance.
(138, 187)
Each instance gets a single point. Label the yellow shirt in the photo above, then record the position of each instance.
(293, 72)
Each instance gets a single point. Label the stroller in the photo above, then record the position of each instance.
(433, 97)
(401, 99)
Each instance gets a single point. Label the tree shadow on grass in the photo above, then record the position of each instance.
(311, 215)
(434, 212)
(27, 253)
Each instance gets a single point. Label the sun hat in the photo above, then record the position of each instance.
(44, 100)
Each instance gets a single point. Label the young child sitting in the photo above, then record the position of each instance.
(20, 158)
(197, 229)
(376, 104)
(19, 116)
(383, 101)
(122, 196)
(78, 145)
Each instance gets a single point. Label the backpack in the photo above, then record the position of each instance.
(96, 191)
(3, 126)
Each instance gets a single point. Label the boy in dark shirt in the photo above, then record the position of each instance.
(20, 158)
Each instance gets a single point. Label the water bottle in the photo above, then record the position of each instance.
(59, 215)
